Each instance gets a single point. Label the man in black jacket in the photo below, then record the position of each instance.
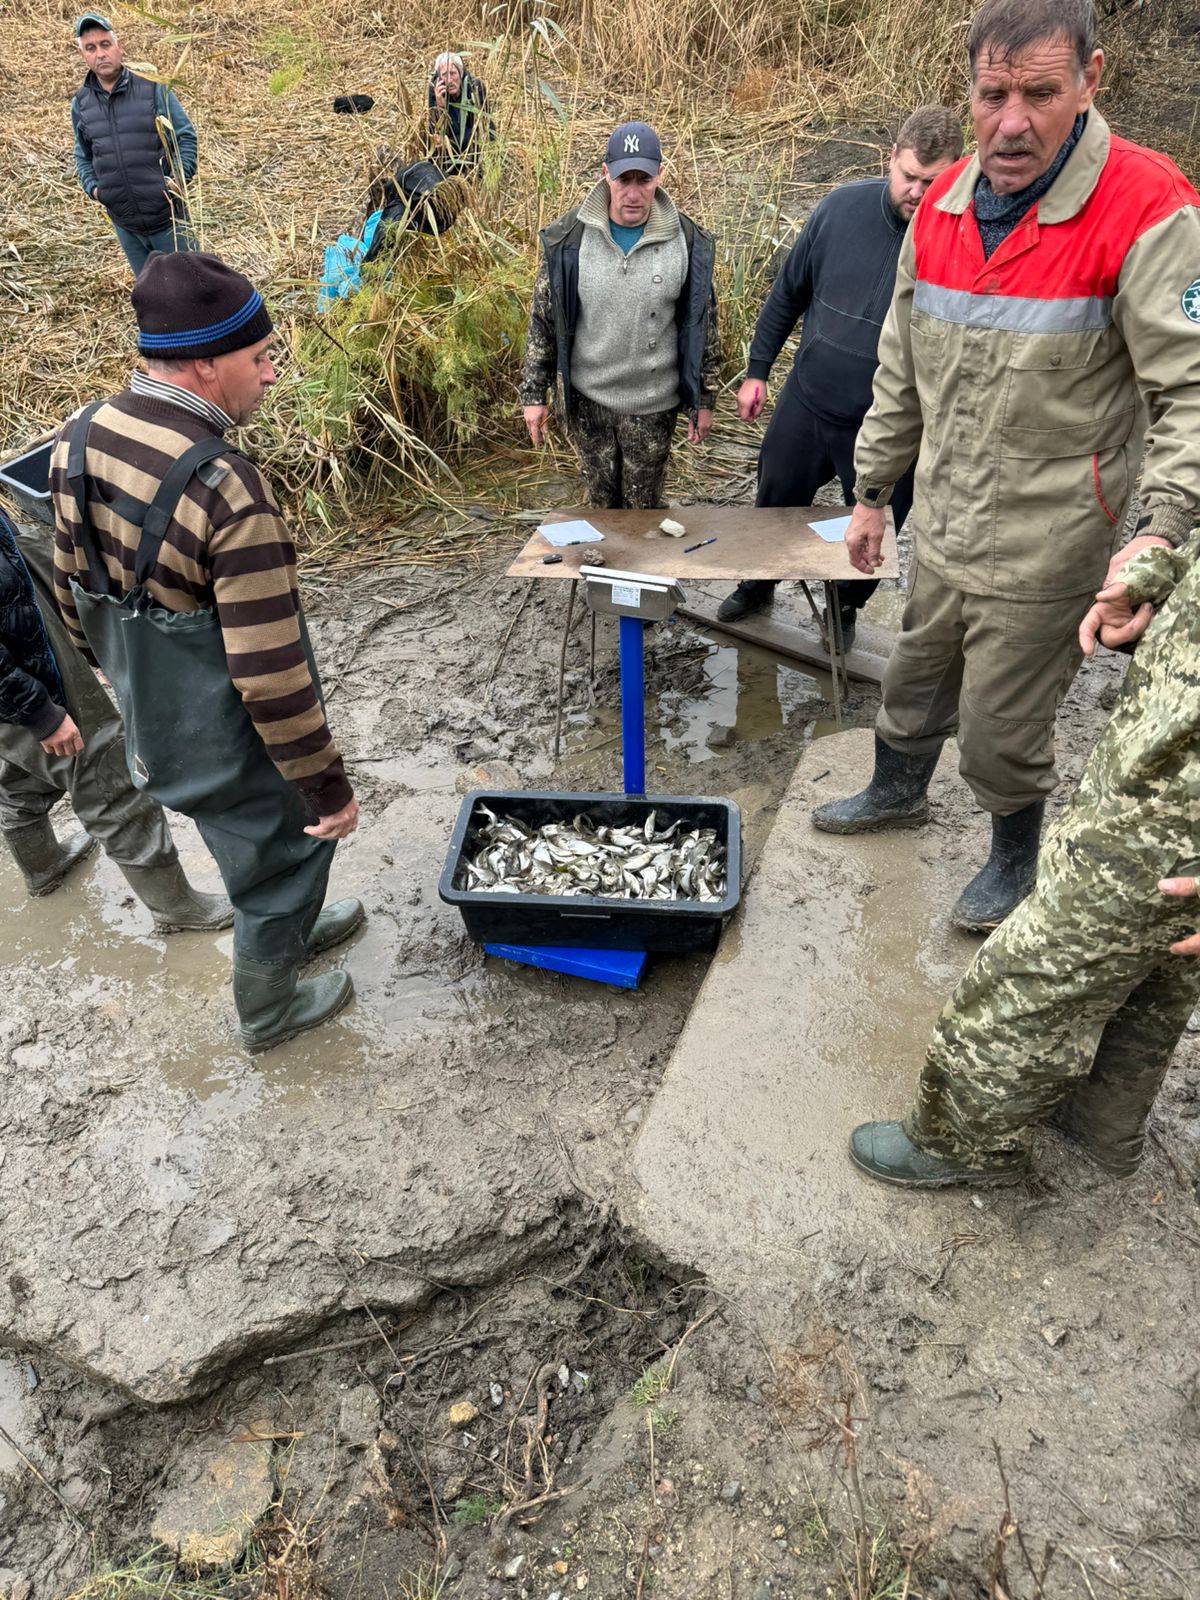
(839, 277)
(625, 319)
(60, 734)
(135, 150)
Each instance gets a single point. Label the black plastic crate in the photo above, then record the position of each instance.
(27, 479)
(669, 927)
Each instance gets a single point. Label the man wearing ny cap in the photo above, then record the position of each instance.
(175, 573)
(135, 150)
(625, 319)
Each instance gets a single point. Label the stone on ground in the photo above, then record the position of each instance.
(218, 1490)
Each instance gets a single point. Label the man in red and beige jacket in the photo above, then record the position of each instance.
(1045, 329)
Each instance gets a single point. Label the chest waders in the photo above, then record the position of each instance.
(189, 739)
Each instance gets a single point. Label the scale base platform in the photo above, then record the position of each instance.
(621, 968)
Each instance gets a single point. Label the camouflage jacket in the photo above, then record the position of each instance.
(554, 312)
(1142, 784)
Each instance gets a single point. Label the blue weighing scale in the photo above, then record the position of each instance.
(636, 599)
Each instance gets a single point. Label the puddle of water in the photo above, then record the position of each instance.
(747, 694)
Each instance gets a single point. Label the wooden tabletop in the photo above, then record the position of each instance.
(750, 542)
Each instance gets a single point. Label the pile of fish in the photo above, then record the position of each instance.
(631, 861)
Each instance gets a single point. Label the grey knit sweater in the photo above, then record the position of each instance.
(625, 355)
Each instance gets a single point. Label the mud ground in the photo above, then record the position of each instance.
(435, 1177)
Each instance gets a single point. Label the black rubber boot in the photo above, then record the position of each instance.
(894, 798)
(751, 595)
(43, 861)
(175, 906)
(274, 1006)
(335, 923)
(884, 1151)
(1007, 875)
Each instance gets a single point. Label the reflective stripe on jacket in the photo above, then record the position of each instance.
(1020, 378)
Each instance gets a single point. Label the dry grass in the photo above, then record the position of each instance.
(399, 410)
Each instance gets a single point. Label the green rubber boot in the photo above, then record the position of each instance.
(274, 1006)
(894, 798)
(883, 1150)
(335, 923)
(43, 861)
(175, 906)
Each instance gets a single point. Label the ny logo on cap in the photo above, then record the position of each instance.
(631, 143)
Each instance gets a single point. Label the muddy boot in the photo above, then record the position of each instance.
(43, 861)
(883, 1150)
(895, 797)
(273, 1006)
(335, 923)
(175, 906)
(751, 595)
(1007, 875)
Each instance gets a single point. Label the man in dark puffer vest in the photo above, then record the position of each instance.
(60, 734)
(119, 156)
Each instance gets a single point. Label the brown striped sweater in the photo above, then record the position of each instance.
(227, 548)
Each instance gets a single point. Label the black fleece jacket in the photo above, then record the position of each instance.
(31, 690)
(839, 277)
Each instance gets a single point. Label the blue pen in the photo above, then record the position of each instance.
(688, 548)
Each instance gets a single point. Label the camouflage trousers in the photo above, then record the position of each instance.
(1074, 1005)
(623, 458)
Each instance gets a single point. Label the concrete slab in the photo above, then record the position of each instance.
(812, 1018)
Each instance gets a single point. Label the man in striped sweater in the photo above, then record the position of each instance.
(223, 712)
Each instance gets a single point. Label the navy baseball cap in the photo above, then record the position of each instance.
(92, 19)
(633, 147)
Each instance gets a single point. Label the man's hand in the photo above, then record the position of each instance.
(172, 190)
(751, 398)
(66, 740)
(95, 193)
(1185, 888)
(699, 427)
(864, 538)
(537, 420)
(1113, 620)
(337, 826)
(439, 93)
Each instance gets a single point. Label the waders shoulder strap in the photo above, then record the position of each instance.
(159, 512)
(77, 477)
(170, 491)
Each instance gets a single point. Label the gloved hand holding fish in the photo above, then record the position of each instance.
(635, 862)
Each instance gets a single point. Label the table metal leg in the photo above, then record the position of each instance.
(812, 606)
(837, 660)
(592, 667)
(562, 667)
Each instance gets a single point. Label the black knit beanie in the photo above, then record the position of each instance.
(190, 305)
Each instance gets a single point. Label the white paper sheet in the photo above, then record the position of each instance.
(564, 533)
(832, 529)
